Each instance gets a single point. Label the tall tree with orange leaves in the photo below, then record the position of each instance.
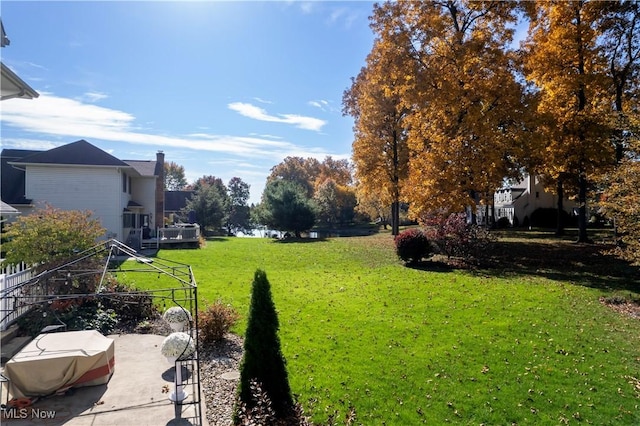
(380, 152)
(461, 101)
(563, 59)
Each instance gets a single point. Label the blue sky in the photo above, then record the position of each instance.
(223, 88)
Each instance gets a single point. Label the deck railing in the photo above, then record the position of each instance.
(191, 233)
(12, 296)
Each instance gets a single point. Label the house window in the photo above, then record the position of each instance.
(128, 220)
(129, 184)
(124, 182)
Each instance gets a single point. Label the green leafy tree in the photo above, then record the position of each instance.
(263, 360)
(286, 207)
(50, 235)
(174, 179)
(209, 203)
(238, 214)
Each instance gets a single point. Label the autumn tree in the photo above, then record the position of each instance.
(370, 205)
(464, 104)
(309, 173)
(621, 198)
(50, 235)
(299, 170)
(619, 25)
(563, 59)
(174, 178)
(380, 151)
(339, 171)
(335, 203)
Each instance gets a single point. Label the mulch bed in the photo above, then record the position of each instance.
(630, 308)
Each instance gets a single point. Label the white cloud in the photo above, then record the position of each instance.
(265, 136)
(343, 15)
(321, 103)
(31, 144)
(94, 96)
(64, 118)
(263, 101)
(257, 113)
(307, 7)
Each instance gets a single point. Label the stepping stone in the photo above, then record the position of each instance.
(231, 375)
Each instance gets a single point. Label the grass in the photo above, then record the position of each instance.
(371, 341)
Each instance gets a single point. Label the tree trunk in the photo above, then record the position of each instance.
(395, 218)
(560, 205)
(395, 206)
(493, 211)
(582, 209)
(487, 222)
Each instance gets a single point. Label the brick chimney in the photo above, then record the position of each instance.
(159, 172)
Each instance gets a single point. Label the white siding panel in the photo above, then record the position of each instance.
(144, 192)
(79, 188)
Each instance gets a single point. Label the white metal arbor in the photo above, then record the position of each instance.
(176, 286)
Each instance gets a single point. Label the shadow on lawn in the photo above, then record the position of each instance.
(590, 265)
(216, 239)
(295, 240)
(431, 266)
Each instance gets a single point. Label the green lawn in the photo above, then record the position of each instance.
(364, 336)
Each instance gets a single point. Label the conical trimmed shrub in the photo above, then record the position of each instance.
(263, 360)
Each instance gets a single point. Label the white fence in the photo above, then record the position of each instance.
(12, 269)
(12, 292)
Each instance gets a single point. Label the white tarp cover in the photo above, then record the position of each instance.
(54, 362)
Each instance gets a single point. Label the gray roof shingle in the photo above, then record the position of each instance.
(144, 168)
(80, 153)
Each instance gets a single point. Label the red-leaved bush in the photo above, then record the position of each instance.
(454, 237)
(412, 245)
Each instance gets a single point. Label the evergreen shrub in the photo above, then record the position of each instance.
(263, 361)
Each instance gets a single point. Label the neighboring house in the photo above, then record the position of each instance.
(126, 196)
(174, 204)
(12, 86)
(7, 210)
(518, 201)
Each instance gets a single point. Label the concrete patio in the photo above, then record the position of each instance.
(137, 393)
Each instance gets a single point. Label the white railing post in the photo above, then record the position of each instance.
(11, 289)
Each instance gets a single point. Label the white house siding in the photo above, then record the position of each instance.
(522, 200)
(79, 188)
(143, 192)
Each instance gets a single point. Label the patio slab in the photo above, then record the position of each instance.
(137, 393)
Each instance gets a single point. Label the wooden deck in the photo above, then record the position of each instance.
(187, 235)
